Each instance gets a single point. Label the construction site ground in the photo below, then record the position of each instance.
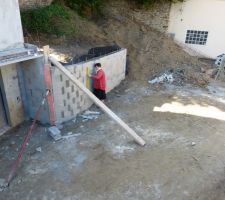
(183, 158)
(183, 126)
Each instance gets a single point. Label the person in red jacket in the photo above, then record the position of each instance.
(99, 82)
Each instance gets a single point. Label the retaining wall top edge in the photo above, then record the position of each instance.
(99, 57)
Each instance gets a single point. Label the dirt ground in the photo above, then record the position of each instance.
(184, 157)
(183, 127)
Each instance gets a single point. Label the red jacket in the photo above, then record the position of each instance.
(99, 80)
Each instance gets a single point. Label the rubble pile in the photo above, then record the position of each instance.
(171, 76)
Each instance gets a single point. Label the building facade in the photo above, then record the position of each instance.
(198, 25)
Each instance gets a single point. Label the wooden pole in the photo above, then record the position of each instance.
(48, 85)
(137, 138)
(46, 53)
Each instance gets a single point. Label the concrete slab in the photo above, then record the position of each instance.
(55, 133)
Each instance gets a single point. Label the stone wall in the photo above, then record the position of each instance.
(29, 4)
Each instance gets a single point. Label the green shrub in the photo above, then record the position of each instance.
(50, 19)
(86, 8)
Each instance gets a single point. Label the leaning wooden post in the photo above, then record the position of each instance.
(137, 138)
(48, 85)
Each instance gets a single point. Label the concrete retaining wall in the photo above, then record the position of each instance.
(69, 100)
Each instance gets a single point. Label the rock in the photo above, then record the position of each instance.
(38, 149)
(69, 133)
(13, 142)
(19, 181)
(143, 29)
(203, 70)
(3, 184)
(193, 144)
(211, 72)
(55, 133)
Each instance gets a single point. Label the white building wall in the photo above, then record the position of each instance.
(11, 34)
(203, 15)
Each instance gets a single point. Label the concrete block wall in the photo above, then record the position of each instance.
(70, 100)
(29, 4)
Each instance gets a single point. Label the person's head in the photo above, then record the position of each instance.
(97, 65)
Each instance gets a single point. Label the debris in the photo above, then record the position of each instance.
(38, 149)
(196, 159)
(122, 149)
(193, 144)
(197, 162)
(88, 112)
(74, 120)
(89, 115)
(71, 135)
(3, 184)
(163, 78)
(55, 133)
(211, 72)
(19, 181)
(175, 76)
(59, 126)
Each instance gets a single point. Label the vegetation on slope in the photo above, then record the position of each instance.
(54, 19)
(57, 18)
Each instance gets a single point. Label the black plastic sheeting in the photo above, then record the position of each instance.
(94, 53)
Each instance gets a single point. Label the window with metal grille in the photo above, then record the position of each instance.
(196, 37)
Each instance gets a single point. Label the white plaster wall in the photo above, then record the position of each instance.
(11, 34)
(204, 15)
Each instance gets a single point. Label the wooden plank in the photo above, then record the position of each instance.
(48, 84)
(46, 53)
(87, 78)
(137, 138)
